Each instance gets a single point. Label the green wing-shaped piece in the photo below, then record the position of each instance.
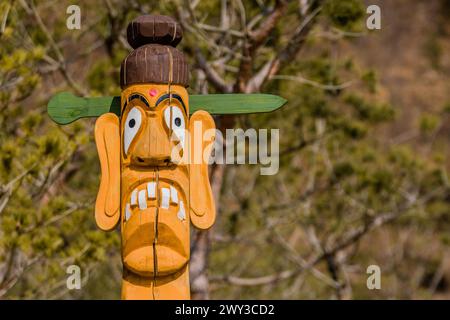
(237, 103)
(65, 107)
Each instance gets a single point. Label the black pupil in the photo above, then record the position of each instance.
(131, 123)
(177, 122)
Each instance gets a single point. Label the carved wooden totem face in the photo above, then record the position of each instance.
(143, 186)
(155, 191)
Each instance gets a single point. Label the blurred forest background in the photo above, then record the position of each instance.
(364, 150)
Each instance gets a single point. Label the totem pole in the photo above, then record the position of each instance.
(138, 136)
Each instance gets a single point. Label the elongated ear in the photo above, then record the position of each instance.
(202, 207)
(107, 138)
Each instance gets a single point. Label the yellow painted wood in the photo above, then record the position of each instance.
(157, 197)
(107, 138)
(202, 208)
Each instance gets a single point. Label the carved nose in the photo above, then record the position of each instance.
(153, 147)
(151, 161)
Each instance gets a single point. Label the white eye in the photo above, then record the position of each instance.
(132, 125)
(177, 124)
(177, 118)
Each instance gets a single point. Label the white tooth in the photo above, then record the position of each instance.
(151, 189)
(165, 195)
(142, 200)
(127, 212)
(134, 197)
(181, 214)
(173, 195)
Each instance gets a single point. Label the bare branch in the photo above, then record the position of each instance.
(288, 53)
(258, 36)
(255, 39)
(61, 61)
(349, 239)
(6, 190)
(5, 19)
(207, 27)
(302, 80)
(8, 283)
(211, 74)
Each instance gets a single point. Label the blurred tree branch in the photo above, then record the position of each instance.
(349, 239)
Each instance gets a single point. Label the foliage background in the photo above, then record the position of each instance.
(364, 150)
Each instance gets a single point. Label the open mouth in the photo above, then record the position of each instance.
(155, 236)
(164, 195)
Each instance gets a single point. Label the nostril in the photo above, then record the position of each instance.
(155, 161)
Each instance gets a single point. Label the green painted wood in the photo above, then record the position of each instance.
(64, 107)
(235, 103)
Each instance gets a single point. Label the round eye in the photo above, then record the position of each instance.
(174, 119)
(133, 123)
(177, 117)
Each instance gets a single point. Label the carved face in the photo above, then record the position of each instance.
(154, 197)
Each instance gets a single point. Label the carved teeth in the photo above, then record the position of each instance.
(173, 195)
(142, 200)
(151, 190)
(141, 197)
(165, 196)
(127, 212)
(181, 214)
(134, 197)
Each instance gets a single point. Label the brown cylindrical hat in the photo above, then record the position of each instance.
(155, 58)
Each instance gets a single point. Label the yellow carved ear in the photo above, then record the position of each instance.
(107, 138)
(202, 207)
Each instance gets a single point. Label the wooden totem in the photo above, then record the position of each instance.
(141, 187)
(139, 135)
